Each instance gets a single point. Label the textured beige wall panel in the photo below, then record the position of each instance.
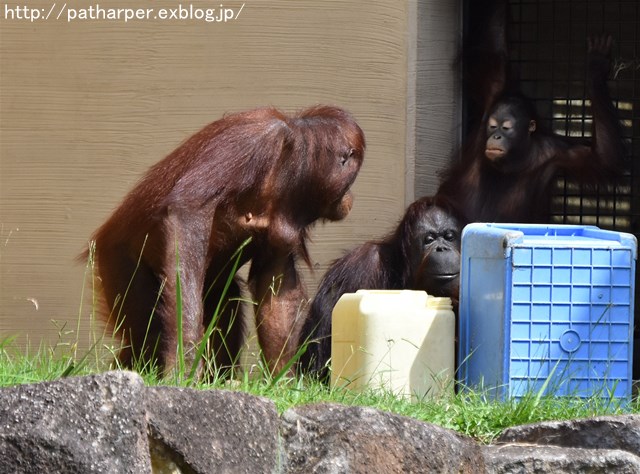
(86, 107)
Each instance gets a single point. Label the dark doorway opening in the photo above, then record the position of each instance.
(547, 45)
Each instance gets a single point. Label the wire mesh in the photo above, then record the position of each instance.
(548, 57)
(548, 47)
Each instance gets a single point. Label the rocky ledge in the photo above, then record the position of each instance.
(113, 423)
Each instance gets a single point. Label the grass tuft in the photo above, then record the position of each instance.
(470, 412)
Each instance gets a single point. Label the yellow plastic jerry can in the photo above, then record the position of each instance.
(396, 340)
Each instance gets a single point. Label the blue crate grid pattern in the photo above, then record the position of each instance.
(570, 320)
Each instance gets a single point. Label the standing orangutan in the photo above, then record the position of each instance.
(259, 174)
(422, 253)
(509, 164)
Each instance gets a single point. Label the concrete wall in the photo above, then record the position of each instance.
(87, 106)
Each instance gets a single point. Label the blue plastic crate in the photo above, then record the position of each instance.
(547, 307)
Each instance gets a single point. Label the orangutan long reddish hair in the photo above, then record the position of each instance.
(259, 174)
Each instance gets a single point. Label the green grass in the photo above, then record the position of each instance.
(470, 413)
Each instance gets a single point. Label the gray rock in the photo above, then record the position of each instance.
(211, 431)
(338, 439)
(606, 432)
(111, 423)
(522, 459)
(83, 425)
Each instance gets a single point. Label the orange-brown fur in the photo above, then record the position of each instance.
(259, 174)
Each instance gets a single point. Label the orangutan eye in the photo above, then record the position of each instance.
(347, 156)
(450, 236)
